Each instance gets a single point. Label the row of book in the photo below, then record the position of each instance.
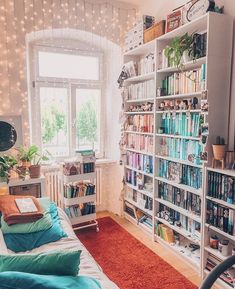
(78, 189)
(181, 124)
(177, 219)
(146, 64)
(140, 142)
(221, 187)
(227, 276)
(221, 217)
(198, 51)
(166, 233)
(183, 149)
(140, 123)
(88, 168)
(132, 177)
(80, 210)
(141, 200)
(181, 174)
(141, 90)
(181, 198)
(138, 215)
(140, 162)
(185, 82)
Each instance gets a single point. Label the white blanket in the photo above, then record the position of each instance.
(88, 265)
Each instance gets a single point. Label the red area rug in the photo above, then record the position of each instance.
(127, 262)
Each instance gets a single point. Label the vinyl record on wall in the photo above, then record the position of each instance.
(10, 132)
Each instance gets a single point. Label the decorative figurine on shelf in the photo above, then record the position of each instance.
(195, 102)
(162, 105)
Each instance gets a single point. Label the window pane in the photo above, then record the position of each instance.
(54, 120)
(61, 65)
(88, 119)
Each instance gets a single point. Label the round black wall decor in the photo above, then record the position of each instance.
(8, 136)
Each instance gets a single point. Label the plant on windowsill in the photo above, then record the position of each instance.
(26, 155)
(7, 164)
(35, 167)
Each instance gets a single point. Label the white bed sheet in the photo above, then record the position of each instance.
(88, 265)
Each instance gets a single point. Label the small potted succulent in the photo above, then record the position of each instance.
(35, 167)
(219, 148)
(7, 164)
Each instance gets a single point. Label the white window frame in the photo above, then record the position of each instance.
(36, 82)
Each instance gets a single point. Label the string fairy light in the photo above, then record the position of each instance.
(31, 16)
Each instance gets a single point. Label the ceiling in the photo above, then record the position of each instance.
(134, 2)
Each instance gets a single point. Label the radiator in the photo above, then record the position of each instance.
(54, 185)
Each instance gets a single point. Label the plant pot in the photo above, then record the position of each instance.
(219, 152)
(35, 171)
(186, 57)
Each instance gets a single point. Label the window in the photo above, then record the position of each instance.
(66, 101)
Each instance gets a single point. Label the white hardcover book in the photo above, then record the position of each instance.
(26, 205)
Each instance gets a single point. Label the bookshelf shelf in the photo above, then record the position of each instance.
(215, 252)
(182, 252)
(185, 66)
(213, 81)
(179, 230)
(138, 132)
(177, 136)
(146, 193)
(178, 161)
(141, 50)
(139, 112)
(148, 212)
(221, 202)
(80, 200)
(180, 210)
(139, 78)
(140, 100)
(139, 171)
(177, 96)
(186, 188)
(140, 152)
(223, 172)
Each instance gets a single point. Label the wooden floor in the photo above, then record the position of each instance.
(168, 256)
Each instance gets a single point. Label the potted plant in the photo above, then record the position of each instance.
(180, 47)
(35, 168)
(7, 164)
(219, 149)
(26, 155)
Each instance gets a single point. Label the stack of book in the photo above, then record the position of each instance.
(140, 123)
(181, 124)
(180, 173)
(180, 149)
(185, 82)
(80, 210)
(221, 217)
(140, 142)
(227, 276)
(140, 162)
(141, 90)
(180, 198)
(78, 189)
(221, 187)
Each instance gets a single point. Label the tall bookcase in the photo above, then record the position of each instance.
(180, 154)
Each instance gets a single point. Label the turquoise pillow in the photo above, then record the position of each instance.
(18, 280)
(41, 225)
(26, 242)
(53, 263)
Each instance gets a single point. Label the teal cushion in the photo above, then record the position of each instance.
(53, 263)
(25, 242)
(41, 225)
(17, 280)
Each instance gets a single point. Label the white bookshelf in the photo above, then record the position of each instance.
(218, 67)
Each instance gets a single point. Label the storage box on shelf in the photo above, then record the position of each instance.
(183, 142)
(219, 232)
(79, 195)
(189, 113)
